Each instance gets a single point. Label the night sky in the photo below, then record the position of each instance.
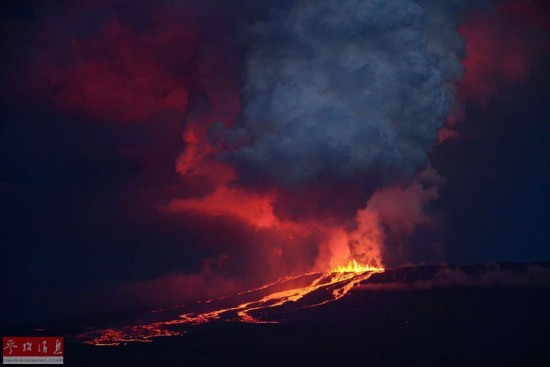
(155, 152)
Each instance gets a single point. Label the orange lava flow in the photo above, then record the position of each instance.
(137, 333)
(324, 288)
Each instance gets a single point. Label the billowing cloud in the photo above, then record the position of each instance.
(339, 102)
(281, 138)
(403, 213)
(346, 90)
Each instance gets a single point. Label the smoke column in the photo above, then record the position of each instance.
(300, 131)
(349, 91)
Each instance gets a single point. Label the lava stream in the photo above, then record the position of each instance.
(331, 286)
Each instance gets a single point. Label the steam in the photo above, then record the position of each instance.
(401, 211)
(365, 243)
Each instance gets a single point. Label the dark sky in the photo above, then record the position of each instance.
(156, 152)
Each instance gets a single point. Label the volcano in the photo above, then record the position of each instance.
(479, 315)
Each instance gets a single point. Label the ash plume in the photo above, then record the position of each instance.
(345, 90)
(350, 91)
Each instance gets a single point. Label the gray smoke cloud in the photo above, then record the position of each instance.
(345, 89)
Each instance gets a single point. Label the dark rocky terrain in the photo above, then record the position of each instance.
(484, 315)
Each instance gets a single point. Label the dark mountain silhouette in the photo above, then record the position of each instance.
(479, 315)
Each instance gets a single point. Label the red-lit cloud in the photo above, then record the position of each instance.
(253, 208)
(501, 46)
(171, 67)
(116, 75)
(129, 66)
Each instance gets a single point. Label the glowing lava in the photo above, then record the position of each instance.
(322, 288)
(354, 267)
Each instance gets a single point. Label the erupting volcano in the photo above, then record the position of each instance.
(278, 177)
(263, 305)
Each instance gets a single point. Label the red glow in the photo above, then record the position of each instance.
(118, 75)
(333, 285)
(131, 87)
(250, 207)
(500, 48)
